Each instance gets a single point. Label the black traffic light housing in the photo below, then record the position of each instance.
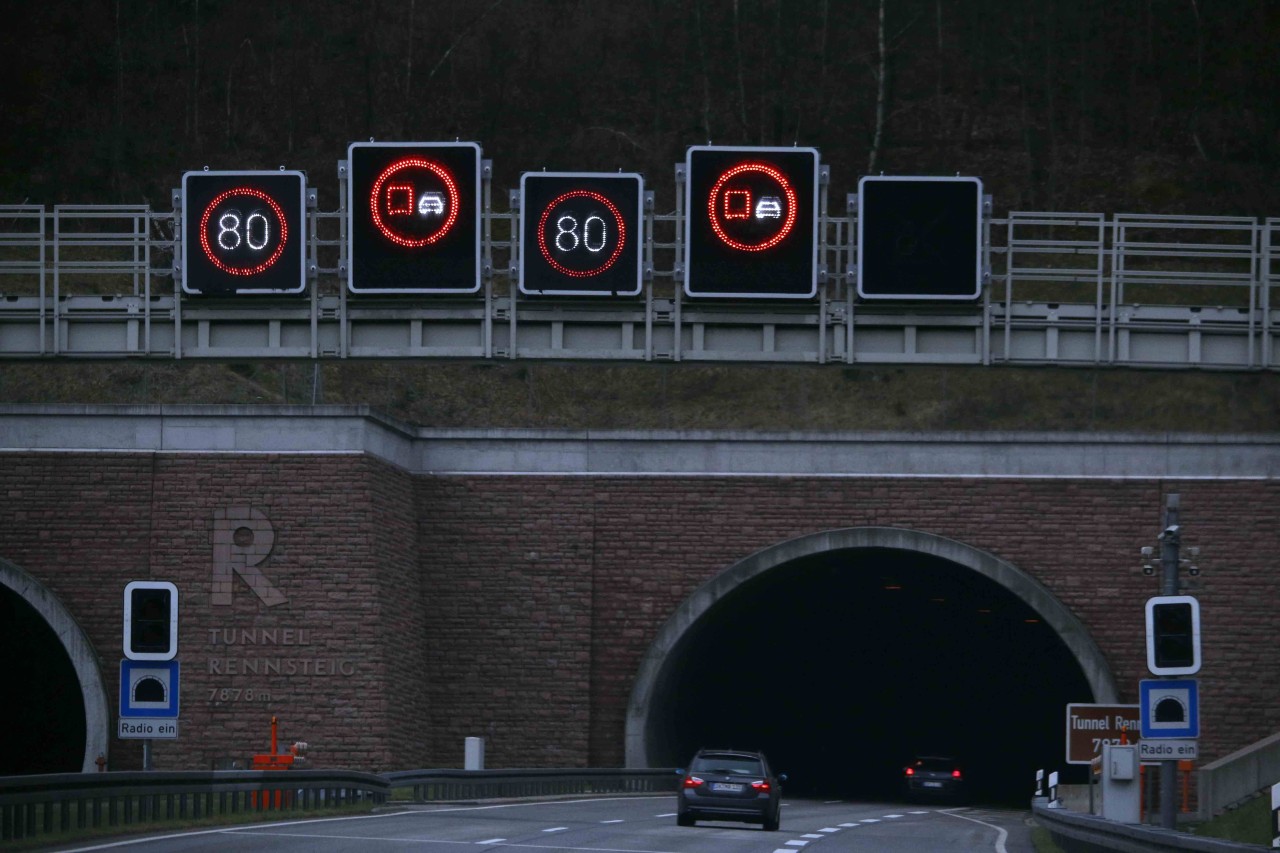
(150, 620)
(1173, 635)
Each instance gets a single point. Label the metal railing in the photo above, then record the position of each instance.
(431, 785)
(42, 805)
(68, 803)
(1064, 289)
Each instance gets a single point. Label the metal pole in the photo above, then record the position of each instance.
(1170, 540)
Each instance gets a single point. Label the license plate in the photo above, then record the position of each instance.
(727, 787)
(933, 784)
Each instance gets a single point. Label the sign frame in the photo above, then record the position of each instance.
(474, 218)
(527, 247)
(185, 250)
(863, 240)
(691, 203)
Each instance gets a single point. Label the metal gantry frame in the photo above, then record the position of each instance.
(1062, 288)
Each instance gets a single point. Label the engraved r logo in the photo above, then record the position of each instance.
(242, 538)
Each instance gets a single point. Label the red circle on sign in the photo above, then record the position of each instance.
(399, 166)
(542, 234)
(717, 216)
(219, 262)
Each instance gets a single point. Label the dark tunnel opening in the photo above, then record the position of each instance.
(842, 666)
(42, 714)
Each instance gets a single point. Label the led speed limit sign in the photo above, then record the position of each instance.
(580, 233)
(243, 232)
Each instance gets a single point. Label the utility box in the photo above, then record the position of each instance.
(1121, 785)
(473, 754)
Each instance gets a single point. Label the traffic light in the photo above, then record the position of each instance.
(243, 232)
(580, 233)
(1173, 635)
(919, 238)
(150, 620)
(413, 217)
(751, 222)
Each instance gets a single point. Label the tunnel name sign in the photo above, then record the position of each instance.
(1090, 726)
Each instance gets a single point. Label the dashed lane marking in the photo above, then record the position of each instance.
(615, 820)
(811, 835)
(829, 829)
(555, 829)
(795, 842)
(492, 841)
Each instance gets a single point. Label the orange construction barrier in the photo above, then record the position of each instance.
(272, 761)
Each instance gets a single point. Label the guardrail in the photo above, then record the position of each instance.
(32, 806)
(36, 805)
(1083, 833)
(430, 785)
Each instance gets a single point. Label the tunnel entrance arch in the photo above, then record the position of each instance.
(56, 712)
(848, 619)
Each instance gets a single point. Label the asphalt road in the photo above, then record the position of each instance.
(616, 825)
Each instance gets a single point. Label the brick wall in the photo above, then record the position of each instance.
(422, 610)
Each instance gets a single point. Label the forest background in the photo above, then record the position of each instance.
(1133, 106)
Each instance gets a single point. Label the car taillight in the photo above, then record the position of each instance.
(760, 785)
(911, 771)
(692, 782)
(955, 774)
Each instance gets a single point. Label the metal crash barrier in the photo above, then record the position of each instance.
(31, 806)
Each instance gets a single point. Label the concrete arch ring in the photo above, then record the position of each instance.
(1055, 614)
(79, 649)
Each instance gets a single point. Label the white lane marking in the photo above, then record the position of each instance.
(870, 820)
(221, 829)
(847, 825)
(811, 835)
(831, 802)
(420, 841)
(492, 841)
(919, 812)
(666, 814)
(783, 850)
(828, 829)
(892, 816)
(1001, 833)
(556, 829)
(615, 820)
(796, 843)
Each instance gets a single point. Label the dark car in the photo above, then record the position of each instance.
(728, 784)
(934, 776)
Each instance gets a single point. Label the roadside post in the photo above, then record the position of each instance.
(1170, 708)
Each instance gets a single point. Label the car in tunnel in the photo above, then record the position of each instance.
(937, 776)
(726, 784)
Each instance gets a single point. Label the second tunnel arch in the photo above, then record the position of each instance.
(660, 667)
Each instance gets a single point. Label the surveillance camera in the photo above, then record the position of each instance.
(1172, 530)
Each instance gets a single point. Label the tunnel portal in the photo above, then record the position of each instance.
(842, 664)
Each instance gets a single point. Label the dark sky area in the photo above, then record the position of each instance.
(1163, 106)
